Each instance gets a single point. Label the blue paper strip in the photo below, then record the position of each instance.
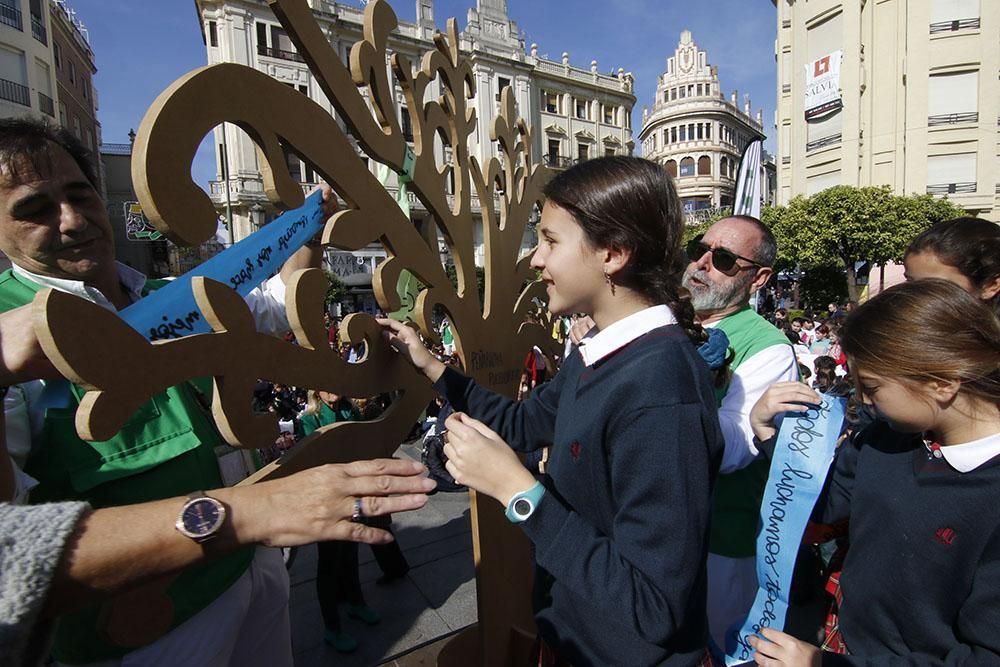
(802, 456)
(171, 312)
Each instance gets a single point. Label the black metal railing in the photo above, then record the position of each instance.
(46, 104)
(951, 188)
(822, 143)
(265, 50)
(953, 118)
(38, 30)
(14, 92)
(558, 161)
(957, 24)
(11, 16)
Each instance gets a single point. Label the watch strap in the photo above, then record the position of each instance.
(532, 496)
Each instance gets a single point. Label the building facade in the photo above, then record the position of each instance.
(27, 76)
(75, 67)
(575, 113)
(696, 133)
(902, 93)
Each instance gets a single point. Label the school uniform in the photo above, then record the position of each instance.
(621, 535)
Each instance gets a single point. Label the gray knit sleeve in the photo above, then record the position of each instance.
(32, 539)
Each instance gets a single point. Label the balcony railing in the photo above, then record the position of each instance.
(14, 92)
(558, 161)
(46, 105)
(822, 143)
(11, 16)
(265, 50)
(38, 30)
(951, 188)
(957, 24)
(953, 118)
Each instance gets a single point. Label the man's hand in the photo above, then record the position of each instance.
(480, 459)
(21, 355)
(778, 649)
(317, 504)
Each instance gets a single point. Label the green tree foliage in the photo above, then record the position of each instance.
(336, 291)
(843, 225)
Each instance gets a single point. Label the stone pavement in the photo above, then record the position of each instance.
(436, 598)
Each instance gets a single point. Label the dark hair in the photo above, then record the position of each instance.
(970, 245)
(927, 330)
(824, 361)
(823, 329)
(630, 204)
(31, 140)
(767, 249)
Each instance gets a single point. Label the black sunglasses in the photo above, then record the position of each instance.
(722, 259)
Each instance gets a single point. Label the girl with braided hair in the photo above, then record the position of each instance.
(619, 521)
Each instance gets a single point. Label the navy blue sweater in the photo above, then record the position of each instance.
(621, 536)
(921, 581)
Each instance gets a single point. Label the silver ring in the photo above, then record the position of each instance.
(358, 516)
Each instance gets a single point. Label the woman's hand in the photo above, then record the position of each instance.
(780, 649)
(406, 341)
(480, 459)
(317, 504)
(780, 397)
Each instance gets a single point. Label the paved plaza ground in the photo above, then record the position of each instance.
(436, 598)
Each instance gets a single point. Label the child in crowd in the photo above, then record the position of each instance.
(821, 343)
(921, 582)
(965, 251)
(619, 522)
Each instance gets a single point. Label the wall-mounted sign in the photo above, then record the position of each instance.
(823, 86)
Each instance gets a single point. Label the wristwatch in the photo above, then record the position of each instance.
(523, 504)
(201, 517)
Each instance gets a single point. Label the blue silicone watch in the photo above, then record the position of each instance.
(523, 505)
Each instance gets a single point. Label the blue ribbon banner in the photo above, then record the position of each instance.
(171, 312)
(802, 456)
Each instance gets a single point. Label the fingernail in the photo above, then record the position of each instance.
(428, 484)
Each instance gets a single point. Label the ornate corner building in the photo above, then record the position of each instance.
(577, 113)
(697, 134)
(896, 92)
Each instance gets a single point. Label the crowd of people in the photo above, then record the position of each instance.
(658, 425)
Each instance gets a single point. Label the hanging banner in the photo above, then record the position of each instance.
(171, 312)
(747, 199)
(802, 457)
(823, 86)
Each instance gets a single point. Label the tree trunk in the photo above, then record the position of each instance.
(852, 285)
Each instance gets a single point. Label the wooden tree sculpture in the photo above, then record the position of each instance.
(492, 336)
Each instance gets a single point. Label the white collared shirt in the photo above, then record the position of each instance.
(596, 346)
(968, 456)
(132, 280)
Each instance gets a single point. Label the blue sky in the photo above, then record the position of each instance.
(142, 46)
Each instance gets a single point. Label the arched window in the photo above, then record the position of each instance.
(724, 166)
(687, 167)
(704, 166)
(672, 168)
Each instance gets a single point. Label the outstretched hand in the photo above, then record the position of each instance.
(481, 460)
(780, 397)
(317, 504)
(778, 649)
(406, 341)
(21, 355)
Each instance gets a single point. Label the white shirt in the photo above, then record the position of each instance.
(968, 456)
(749, 382)
(598, 344)
(24, 416)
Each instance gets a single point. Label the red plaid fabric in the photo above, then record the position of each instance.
(833, 640)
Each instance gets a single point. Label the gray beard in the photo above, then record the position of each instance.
(712, 296)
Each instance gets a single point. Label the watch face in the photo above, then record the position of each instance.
(523, 507)
(202, 516)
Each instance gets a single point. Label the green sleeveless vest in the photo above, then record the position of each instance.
(737, 496)
(166, 449)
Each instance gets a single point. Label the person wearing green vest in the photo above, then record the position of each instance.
(55, 230)
(727, 265)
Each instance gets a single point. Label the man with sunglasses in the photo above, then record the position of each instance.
(730, 262)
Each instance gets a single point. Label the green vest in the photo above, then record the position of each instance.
(737, 496)
(166, 449)
(345, 412)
